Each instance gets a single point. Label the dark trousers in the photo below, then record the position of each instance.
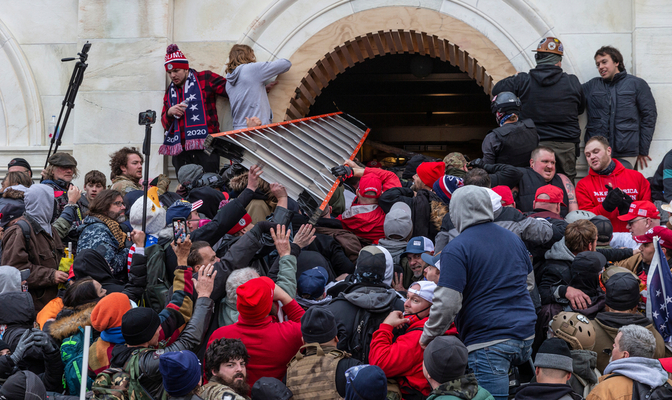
(210, 163)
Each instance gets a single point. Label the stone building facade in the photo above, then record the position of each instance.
(488, 39)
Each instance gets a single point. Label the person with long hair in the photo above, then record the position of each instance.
(245, 85)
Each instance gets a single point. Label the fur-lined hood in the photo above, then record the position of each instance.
(439, 210)
(68, 326)
(239, 183)
(10, 193)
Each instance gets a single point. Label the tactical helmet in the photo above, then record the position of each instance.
(505, 103)
(550, 45)
(575, 329)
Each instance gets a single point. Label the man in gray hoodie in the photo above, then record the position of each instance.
(632, 364)
(485, 275)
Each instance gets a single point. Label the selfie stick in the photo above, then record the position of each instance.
(146, 118)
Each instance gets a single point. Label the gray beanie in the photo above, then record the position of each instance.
(189, 173)
(554, 353)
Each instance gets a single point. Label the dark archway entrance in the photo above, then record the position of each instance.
(415, 91)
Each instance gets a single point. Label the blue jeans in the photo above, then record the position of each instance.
(491, 364)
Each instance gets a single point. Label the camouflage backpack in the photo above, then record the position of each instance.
(121, 383)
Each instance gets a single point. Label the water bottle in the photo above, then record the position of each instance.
(52, 125)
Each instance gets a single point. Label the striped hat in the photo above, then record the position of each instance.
(446, 185)
(175, 59)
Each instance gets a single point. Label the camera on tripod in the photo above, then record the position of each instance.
(147, 117)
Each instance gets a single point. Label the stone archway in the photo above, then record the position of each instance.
(374, 44)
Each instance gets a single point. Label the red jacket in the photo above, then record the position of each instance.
(271, 345)
(402, 359)
(367, 221)
(591, 191)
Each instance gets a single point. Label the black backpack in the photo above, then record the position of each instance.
(641, 391)
(158, 285)
(359, 342)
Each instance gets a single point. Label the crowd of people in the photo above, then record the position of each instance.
(480, 279)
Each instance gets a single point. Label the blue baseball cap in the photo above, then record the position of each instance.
(311, 283)
(419, 244)
(179, 209)
(432, 260)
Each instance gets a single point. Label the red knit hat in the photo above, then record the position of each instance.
(109, 310)
(430, 172)
(175, 59)
(255, 298)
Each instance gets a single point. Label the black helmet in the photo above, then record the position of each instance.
(505, 103)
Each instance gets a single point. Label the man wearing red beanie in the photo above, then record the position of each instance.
(426, 174)
(365, 218)
(271, 344)
(189, 111)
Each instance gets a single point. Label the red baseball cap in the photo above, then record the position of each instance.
(505, 192)
(664, 235)
(245, 221)
(641, 208)
(554, 193)
(370, 183)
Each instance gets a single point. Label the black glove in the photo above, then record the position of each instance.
(624, 207)
(342, 172)
(24, 343)
(613, 199)
(477, 163)
(43, 340)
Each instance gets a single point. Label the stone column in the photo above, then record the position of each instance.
(125, 76)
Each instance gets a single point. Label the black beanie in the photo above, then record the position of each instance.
(554, 353)
(318, 325)
(139, 325)
(622, 291)
(23, 385)
(371, 265)
(4, 345)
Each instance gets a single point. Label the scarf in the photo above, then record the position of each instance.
(113, 335)
(195, 123)
(607, 171)
(113, 226)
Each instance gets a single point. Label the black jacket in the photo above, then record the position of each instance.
(551, 98)
(91, 263)
(624, 111)
(546, 391)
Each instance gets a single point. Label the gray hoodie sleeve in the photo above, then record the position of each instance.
(535, 231)
(447, 303)
(267, 70)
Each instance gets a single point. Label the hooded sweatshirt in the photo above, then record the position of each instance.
(10, 279)
(556, 274)
(545, 88)
(39, 200)
(488, 267)
(641, 369)
(247, 93)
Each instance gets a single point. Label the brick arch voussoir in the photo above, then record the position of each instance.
(374, 44)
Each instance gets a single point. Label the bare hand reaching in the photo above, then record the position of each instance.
(206, 280)
(182, 250)
(280, 237)
(253, 177)
(305, 235)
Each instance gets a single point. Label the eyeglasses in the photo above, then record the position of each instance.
(631, 222)
(118, 203)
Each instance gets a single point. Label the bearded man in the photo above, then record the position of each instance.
(102, 228)
(226, 368)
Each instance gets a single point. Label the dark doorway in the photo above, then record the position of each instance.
(417, 103)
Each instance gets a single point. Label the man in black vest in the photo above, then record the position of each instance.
(553, 100)
(513, 141)
(540, 173)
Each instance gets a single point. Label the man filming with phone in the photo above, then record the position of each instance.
(189, 111)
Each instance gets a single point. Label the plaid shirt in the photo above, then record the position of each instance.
(211, 85)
